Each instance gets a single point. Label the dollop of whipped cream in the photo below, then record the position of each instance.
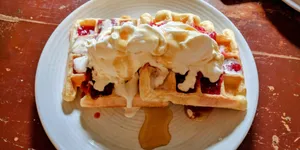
(191, 51)
(80, 64)
(118, 54)
(80, 45)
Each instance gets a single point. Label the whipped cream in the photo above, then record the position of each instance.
(116, 56)
(80, 45)
(80, 64)
(191, 51)
(106, 24)
(228, 66)
(222, 48)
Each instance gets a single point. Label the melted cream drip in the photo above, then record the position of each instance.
(130, 112)
(128, 90)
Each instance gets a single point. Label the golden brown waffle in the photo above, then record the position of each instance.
(232, 92)
(88, 29)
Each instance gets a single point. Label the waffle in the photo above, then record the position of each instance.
(228, 92)
(75, 82)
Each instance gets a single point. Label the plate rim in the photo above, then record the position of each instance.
(292, 4)
(77, 10)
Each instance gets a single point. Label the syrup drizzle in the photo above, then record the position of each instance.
(155, 130)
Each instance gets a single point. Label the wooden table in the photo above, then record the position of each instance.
(271, 28)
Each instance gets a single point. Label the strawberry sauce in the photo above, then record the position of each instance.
(97, 115)
(87, 88)
(85, 30)
(208, 87)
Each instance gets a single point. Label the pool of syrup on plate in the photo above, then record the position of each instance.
(155, 130)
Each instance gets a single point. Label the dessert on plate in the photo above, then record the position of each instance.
(152, 61)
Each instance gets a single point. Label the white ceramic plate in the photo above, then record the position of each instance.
(71, 127)
(293, 3)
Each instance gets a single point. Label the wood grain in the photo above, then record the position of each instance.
(271, 29)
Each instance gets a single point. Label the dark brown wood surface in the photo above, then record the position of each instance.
(271, 28)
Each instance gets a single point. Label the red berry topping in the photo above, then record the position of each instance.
(100, 25)
(200, 29)
(87, 88)
(97, 115)
(213, 35)
(180, 79)
(114, 22)
(100, 22)
(85, 30)
(236, 67)
(152, 23)
(155, 24)
(161, 24)
(197, 112)
(232, 65)
(209, 87)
